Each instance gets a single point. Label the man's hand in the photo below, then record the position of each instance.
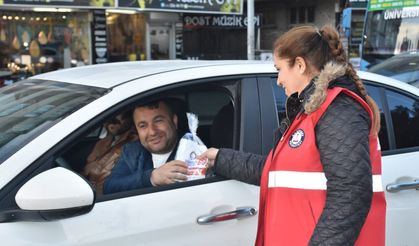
(169, 173)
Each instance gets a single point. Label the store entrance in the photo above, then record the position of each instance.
(160, 45)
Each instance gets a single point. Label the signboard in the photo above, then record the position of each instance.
(357, 3)
(220, 21)
(184, 6)
(390, 4)
(69, 3)
(198, 6)
(99, 37)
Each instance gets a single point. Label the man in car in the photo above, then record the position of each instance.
(107, 150)
(149, 161)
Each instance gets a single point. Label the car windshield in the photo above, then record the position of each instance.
(29, 107)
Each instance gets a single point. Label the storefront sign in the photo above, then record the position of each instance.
(224, 21)
(197, 6)
(70, 3)
(357, 3)
(390, 4)
(99, 37)
(393, 14)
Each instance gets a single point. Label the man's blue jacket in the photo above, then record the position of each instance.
(132, 170)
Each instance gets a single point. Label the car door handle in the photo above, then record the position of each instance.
(236, 214)
(403, 186)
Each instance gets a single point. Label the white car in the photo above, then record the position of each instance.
(403, 67)
(49, 123)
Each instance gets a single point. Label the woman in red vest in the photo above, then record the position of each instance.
(321, 183)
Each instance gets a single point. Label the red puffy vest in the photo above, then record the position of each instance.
(293, 185)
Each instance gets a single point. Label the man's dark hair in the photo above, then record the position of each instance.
(155, 104)
(176, 106)
(126, 115)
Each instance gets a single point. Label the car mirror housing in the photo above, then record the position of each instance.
(51, 195)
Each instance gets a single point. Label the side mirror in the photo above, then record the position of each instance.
(55, 194)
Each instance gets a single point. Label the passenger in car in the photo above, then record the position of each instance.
(149, 161)
(316, 185)
(107, 150)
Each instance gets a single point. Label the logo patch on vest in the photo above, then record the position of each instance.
(296, 138)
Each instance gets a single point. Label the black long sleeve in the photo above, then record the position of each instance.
(342, 139)
(245, 167)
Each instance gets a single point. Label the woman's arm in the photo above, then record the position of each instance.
(245, 167)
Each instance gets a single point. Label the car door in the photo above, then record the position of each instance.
(225, 209)
(400, 171)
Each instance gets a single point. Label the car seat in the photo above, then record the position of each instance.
(180, 107)
(222, 127)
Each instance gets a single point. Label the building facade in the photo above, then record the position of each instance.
(40, 36)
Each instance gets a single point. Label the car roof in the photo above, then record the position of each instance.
(396, 62)
(384, 80)
(112, 74)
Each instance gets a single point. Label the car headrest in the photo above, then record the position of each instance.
(180, 107)
(222, 127)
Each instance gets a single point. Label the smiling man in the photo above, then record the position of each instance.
(149, 161)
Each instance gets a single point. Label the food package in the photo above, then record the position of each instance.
(190, 146)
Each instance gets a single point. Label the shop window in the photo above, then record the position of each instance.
(160, 42)
(310, 14)
(268, 17)
(224, 43)
(37, 42)
(302, 15)
(126, 37)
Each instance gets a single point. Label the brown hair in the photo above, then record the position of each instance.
(318, 47)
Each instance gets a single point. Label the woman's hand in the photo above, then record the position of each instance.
(210, 154)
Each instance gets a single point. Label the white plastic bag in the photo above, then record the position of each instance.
(190, 146)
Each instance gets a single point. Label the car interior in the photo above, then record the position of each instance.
(214, 109)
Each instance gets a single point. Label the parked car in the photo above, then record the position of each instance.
(403, 67)
(49, 123)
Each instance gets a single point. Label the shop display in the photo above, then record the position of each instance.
(34, 49)
(40, 42)
(42, 38)
(126, 34)
(2, 35)
(16, 43)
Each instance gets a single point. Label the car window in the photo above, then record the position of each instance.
(30, 107)
(198, 102)
(212, 103)
(280, 99)
(210, 114)
(374, 92)
(405, 117)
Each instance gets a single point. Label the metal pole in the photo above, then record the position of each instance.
(250, 30)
